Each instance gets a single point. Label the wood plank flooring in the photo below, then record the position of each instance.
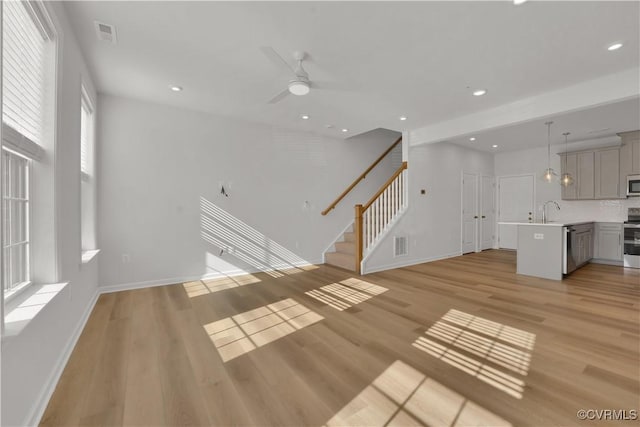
(152, 356)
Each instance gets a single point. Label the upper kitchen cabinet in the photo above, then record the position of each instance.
(586, 175)
(596, 174)
(607, 173)
(629, 158)
(569, 163)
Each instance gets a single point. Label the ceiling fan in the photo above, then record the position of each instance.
(300, 83)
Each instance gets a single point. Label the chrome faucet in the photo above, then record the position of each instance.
(544, 209)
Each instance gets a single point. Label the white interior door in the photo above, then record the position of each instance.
(515, 204)
(469, 213)
(487, 212)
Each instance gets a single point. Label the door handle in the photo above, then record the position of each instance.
(483, 216)
(475, 217)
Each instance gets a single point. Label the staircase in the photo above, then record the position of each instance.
(372, 220)
(344, 254)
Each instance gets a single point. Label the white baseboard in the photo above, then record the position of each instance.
(407, 262)
(37, 411)
(174, 280)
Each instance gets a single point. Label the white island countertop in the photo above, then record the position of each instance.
(548, 224)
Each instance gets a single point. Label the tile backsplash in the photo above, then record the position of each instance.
(598, 210)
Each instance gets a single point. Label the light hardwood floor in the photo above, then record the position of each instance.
(462, 341)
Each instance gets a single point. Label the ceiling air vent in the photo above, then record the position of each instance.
(400, 246)
(105, 32)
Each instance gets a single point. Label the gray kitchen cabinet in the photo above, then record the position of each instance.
(596, 174)
(629, 158)
(586, 175)
(569, 162)
(607, 172)
(608, 244)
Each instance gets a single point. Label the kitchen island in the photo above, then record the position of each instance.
(547, 250)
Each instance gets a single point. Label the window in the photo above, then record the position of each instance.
(26, 53)
(87, 184)
(86, 118)
(15, 233)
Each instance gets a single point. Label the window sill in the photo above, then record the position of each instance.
(22, 309)
(88, 256)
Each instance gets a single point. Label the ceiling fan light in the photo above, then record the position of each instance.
(299, 87)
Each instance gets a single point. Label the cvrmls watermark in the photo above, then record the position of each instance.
(607, 414)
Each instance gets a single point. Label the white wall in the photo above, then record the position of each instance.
(32, 360)
(432, 222)
(535, 161)
(159, 165)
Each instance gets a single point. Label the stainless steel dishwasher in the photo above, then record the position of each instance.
(578, 246)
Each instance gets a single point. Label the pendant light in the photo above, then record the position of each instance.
(566, 179)
(549, 174)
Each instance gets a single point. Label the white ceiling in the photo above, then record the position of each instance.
(392, 58)
(594, 123)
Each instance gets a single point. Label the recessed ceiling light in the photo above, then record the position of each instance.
(494, 146)
(615, 46)
(304, 117)
(479, 92)
(345, 130)
(517, 2)
(175, 88)
(473, 138)
(403, 118)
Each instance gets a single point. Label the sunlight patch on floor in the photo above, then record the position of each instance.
(209, 286)
(346, 293)
(239, 334)
(486, 347)
(403, 396)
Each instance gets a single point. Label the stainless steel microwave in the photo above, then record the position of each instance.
(633, 185)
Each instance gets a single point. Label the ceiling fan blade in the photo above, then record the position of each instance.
(326, 85)
(279, 97)
(277, 60)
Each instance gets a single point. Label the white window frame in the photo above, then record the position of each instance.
(14, 143)
(16, 289)
(88, 233)
(86, 167)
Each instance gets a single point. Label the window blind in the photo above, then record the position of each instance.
(23, 53)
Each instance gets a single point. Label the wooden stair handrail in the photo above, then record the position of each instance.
(360, 178)
(384, 186)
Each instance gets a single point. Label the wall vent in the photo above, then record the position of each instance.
(105, 32)
(400, 246)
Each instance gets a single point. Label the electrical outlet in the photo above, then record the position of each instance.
(538, 236)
